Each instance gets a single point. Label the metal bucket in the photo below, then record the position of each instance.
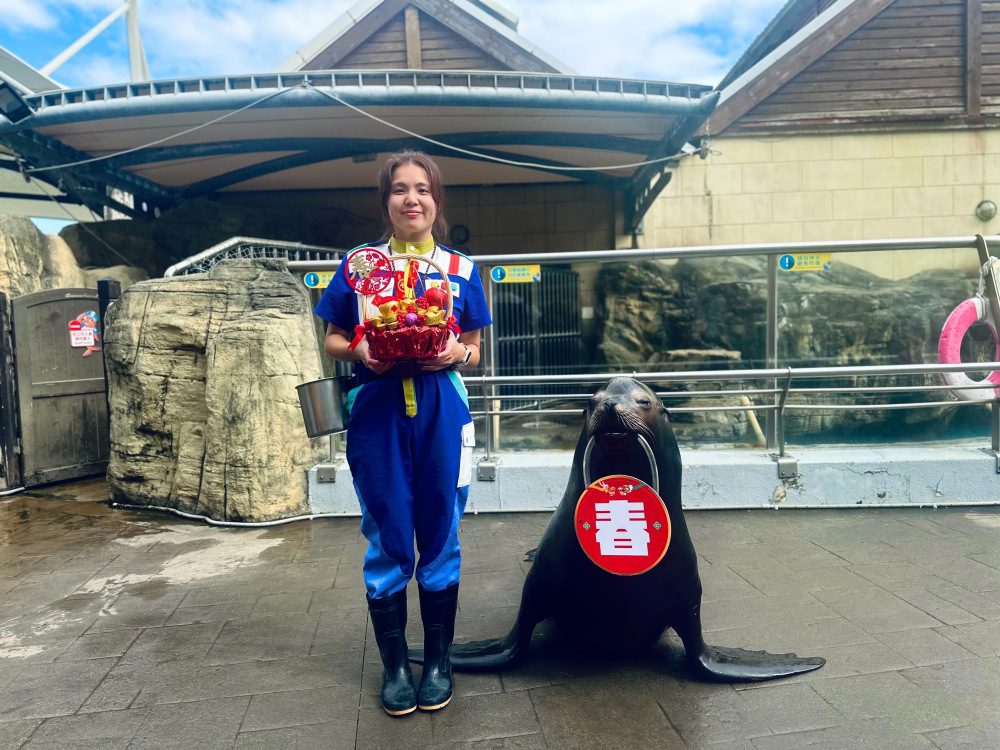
(322, 406)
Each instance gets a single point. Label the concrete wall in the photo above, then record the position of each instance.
(835, 187)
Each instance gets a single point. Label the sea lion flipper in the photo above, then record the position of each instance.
(487, 656)
(722, 664)
(500, 653)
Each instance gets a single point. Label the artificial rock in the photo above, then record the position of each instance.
(202, 372)
(31, 261)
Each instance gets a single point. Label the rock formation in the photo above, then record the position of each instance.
(202, 372)
(31, 261)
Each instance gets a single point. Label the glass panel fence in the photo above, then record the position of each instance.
(721, 311)
(877, 309)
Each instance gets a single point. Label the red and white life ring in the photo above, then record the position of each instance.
(962, 318)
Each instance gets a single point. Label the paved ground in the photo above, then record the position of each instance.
(123, 629)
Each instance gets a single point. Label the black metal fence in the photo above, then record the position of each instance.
(537, 330)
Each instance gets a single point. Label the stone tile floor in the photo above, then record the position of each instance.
(127, 629)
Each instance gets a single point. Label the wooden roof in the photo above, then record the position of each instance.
(866, 64)
(422, 35)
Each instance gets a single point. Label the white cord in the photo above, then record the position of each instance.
(489, 157)
(160, 140)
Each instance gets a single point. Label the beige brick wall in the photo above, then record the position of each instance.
(835, 187)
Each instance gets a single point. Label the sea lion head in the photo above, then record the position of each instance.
(621, 411)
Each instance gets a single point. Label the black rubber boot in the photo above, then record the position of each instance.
(388, 614)
(437, 610)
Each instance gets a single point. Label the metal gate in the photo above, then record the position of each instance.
(61, 393)
(537, 327)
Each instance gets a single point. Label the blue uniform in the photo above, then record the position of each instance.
(411, 473)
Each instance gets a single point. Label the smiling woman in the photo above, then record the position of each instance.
(410, 439)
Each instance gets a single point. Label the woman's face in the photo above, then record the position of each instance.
(411, 208)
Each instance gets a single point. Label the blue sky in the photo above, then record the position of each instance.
(686, 41)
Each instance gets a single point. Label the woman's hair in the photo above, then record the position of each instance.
(422, 160)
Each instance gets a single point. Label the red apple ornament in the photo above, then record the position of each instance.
(436, 297)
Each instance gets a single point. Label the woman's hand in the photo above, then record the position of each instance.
(452, 354)
(338, 346)
(364, 356)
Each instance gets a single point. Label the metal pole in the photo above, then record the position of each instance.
(108, 290)
(84, 40)
(988, 271)
(771, 349)
(995, 425)
(488, 358)
(138, 68)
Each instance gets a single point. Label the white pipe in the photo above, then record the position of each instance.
(83, 41)
(138, 69)
(241, 524)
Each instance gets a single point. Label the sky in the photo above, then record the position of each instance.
(682, 41)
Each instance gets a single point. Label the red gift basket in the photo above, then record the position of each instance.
(407, 326)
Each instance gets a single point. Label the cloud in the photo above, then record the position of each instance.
(91, 69)
(21, 14)
(691, 42)
(231, 36)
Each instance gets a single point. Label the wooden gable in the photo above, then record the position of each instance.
(879, 62)
(789, 20)
(990, 56)
(425, 35)
(443, 49)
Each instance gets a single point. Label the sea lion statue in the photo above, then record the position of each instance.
(626, 436)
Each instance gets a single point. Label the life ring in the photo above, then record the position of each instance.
(962, 318)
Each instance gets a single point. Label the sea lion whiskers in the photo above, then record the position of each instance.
(609, 416)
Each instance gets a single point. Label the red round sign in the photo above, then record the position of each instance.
(368, 270)
(622, 525)
(75, 325)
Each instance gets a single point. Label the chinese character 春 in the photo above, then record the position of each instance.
(621, 528)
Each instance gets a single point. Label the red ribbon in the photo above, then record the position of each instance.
(359, 333)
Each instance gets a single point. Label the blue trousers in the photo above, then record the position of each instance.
(411, 475)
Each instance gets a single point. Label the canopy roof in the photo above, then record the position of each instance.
(166, 141)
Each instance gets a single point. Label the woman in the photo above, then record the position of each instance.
(410, 440)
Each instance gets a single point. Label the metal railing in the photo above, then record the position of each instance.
(482, 392)
(347, 81)
(251, 247)
(779, 390)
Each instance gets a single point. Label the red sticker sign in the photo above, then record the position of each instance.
(368, 270)
(622, 525)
